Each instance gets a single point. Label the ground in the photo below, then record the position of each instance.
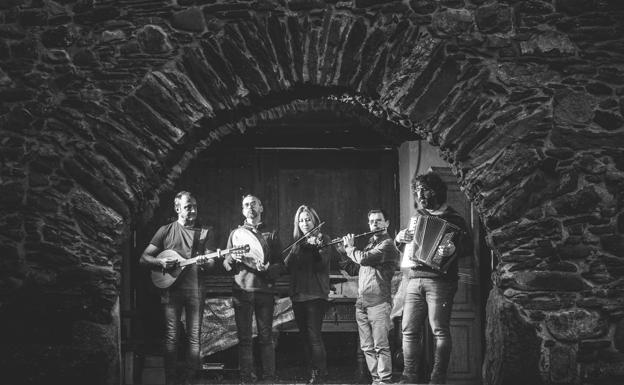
(341, 361)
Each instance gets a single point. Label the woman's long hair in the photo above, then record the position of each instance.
(315, 220)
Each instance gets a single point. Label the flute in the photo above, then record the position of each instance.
(339, 240)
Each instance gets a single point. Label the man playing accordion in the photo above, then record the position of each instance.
(430, 290)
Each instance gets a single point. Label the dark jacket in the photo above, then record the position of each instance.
(309, 271)
(377, 264)
(463, 247)
(249, 279)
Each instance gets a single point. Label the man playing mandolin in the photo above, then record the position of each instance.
(187, 241)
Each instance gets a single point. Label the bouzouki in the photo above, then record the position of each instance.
(165, 278)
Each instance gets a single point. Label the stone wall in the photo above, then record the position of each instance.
(104, 103)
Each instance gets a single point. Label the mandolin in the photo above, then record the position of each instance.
(165, 278)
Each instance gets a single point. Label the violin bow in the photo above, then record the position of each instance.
(303, 237)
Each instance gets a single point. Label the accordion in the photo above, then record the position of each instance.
(430, 232)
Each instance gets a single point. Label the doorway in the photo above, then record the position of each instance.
(341, 183)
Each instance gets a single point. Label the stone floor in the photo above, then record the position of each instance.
(337, 375)
(221, 368)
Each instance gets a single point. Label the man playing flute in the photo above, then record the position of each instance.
(375, 265)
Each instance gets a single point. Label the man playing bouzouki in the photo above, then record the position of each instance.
(188, 241)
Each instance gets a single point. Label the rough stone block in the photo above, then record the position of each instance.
(546, 281)
(452, 22)
(575, 325)
(154, 39)
(608, 120)
(513, 349)
(559, 363)
(191, 19)
(494, 18)
(549, 43)
(423, 7)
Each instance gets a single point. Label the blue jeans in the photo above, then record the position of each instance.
(245, 305)
(433, 297)
(373, 327)
(309, 318)
(191, 302)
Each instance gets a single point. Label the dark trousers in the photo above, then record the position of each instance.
(175, 302)
(245, 305)
(432, 297)
(309, 318)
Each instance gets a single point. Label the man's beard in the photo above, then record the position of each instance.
(252, 214)
(429, 204)
(189, 219)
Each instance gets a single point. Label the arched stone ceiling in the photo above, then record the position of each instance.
(104, 103)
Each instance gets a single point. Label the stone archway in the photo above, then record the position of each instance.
(104, 105)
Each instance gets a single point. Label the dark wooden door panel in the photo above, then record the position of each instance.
(464, 362)
(466, 329)
(341, 197)
(340, 186)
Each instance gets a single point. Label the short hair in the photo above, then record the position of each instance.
(178, 198)
(378, 211)
(433, 181)
(250, 196)
(315, 219)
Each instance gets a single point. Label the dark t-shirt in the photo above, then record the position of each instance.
(179, 238)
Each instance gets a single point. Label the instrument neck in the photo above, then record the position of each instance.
(312, 234)
(193, 260)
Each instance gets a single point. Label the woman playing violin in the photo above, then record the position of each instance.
(308, 265)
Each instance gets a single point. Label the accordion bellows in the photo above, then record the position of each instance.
(429, 233)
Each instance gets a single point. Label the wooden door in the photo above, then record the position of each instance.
(340, 185)
(466, 328)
